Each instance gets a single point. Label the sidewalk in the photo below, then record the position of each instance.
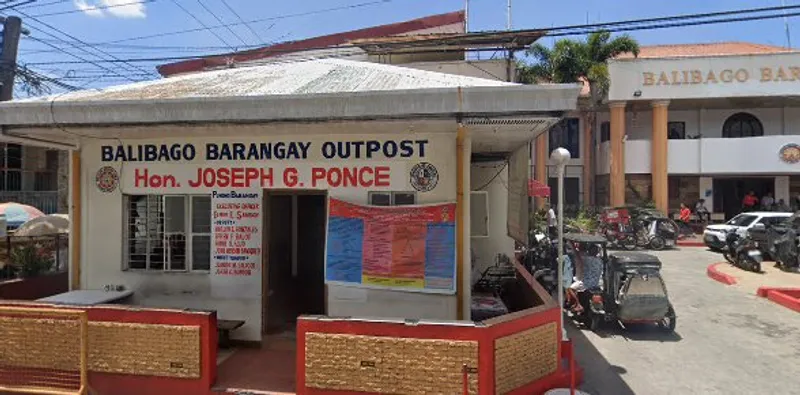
(771, 277)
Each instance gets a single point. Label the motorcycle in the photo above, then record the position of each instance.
(619, 235)
(742, 252)
(655, 233)
(786, 250)
(540, 260)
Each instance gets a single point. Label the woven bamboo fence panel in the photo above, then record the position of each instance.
(41, 343)
(144, 349)
(140, 349)
(524, 357)
(42, 351)
(389, 365)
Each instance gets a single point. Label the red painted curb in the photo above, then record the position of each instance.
(786, 297)
(719, 276)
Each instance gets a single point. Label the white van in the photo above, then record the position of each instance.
(714, 235)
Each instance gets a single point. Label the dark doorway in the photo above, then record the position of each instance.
(729, 192)
(295, 268)
(572, 191)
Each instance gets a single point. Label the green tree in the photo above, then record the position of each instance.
(570, 61)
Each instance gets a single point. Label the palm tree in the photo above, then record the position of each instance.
(571, 61)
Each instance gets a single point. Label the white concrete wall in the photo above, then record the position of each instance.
(102, 244)
(711, 154)
(493, 69)
(703, 77)
(498, 242)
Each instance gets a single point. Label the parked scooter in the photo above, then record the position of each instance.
(786, 250)
(742, 252)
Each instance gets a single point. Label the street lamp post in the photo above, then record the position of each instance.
(560, 157)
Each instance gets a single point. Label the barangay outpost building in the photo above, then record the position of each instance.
(333, 190)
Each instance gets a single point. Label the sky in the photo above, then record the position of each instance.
(89, 21)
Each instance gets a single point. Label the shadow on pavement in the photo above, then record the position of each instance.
(599, 376)
(647, 333)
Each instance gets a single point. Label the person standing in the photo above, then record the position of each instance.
(750, 201)
(552, 223)
(701, 211)
(684, 218)
(767, 202)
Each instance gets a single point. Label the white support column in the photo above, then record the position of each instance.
(782, 189)
(466, 307)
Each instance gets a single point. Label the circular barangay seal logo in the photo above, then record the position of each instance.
(790, 153)
(424, 177)
(107, 179)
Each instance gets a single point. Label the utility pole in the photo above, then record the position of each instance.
(508, 11)
(12, 28)
(466, 16)
(786, 26)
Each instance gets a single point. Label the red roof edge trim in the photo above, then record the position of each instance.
(200, 64)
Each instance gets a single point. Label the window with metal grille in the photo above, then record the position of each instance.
(10, 167)
(168, 232)
(567, 134)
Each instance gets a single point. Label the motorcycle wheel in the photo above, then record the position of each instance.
(753, 265)
(595, 321)
(629, 243)
(728, 258)
(658, 243)
(642, 240)
(668, 323)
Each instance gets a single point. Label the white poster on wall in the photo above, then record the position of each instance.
(236, 244)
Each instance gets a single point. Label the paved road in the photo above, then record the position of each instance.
(726, 342)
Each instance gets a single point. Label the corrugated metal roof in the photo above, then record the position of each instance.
(704, 49)
(292, 78)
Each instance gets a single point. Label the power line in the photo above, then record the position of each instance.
(239, 17)
(203, 24)
(78, 40)
(39, 5)
(84, 59)
(221, 21)
(104, 7)
(562, 31)
(274, 18)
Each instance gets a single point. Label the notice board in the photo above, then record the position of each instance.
(410, 248)
(236, 244)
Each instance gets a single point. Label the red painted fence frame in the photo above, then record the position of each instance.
(485, 335)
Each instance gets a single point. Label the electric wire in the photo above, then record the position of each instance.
(187, 12)
(88, 61)
(239, 17)
(76, 39)
(228, 28)
(268, 19)
(97, 7)
(583, 32)
(561, 29)
(49, 3)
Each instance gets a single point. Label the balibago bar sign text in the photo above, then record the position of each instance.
(725, 76)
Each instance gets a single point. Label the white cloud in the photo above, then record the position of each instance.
(88, 9)
(115, 8)
(130, 9)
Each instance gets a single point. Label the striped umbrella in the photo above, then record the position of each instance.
(18, 214)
